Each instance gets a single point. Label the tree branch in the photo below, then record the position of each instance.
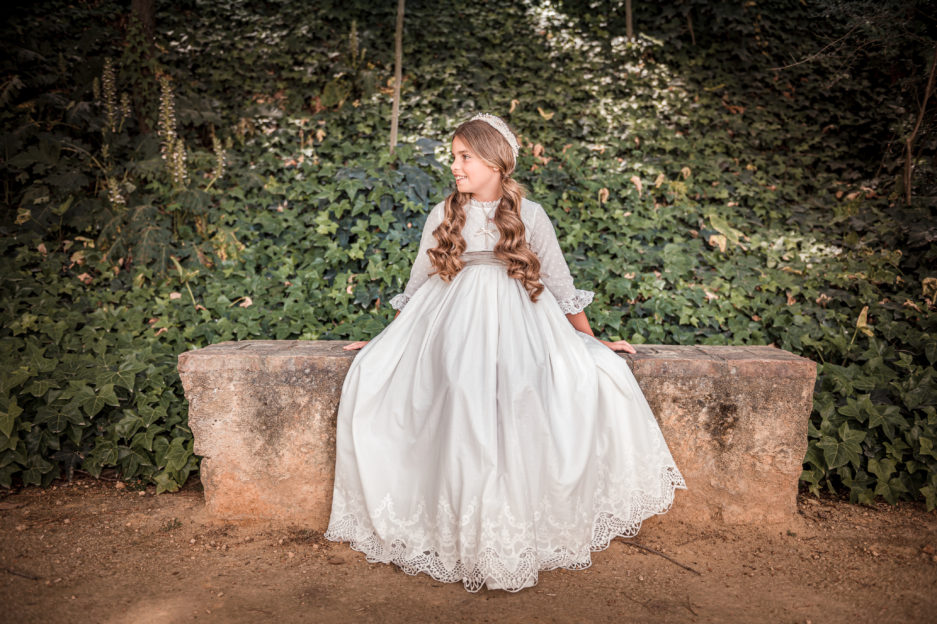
(671, 559)
(909, 158)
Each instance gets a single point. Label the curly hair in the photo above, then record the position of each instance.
(511, 247)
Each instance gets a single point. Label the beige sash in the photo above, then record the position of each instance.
(481, 257)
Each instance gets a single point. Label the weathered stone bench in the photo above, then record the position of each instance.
(263, 415)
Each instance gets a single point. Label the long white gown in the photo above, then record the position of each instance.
(482, 438)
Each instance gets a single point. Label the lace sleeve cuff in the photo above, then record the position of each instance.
(576, 303)
(398, 301)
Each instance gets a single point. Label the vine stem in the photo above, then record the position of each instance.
(671, 559)
(909, 159)
(190, 292)
(184, 280)
(75, 148)
(24, 575)
(846, 357)
(818, 52)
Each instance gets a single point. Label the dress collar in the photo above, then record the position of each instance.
(487, 206)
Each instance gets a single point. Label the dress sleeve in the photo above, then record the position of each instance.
(422, 266)
(554, 272)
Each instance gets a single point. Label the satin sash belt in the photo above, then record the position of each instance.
(481, 257)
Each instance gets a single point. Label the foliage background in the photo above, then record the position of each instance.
(235, 183)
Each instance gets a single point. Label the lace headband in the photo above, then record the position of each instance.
(499, 125)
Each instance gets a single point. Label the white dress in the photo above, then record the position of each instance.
(481, 437)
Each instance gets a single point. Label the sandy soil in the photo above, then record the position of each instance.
(93, 551)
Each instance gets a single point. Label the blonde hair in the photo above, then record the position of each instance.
(511, 247)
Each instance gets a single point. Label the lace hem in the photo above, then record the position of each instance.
(578, 302)
(398, 301)
(489, 568)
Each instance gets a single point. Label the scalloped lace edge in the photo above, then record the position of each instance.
(578, 302)
(489, 569)
(398, 301)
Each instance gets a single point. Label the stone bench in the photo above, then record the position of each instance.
(263, 414)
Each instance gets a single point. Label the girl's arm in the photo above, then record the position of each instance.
(419, 272)
(554, 272)
(354, 346)
(555, 275)
(580, 322)
(422, 265)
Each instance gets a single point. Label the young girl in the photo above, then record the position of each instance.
(485, 434)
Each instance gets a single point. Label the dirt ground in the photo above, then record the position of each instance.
(93, 551)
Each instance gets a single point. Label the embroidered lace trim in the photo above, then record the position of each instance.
(398, 301)
(509, 568)
(488, 205)
(578, 302)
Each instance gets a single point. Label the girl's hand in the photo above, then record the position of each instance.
(355, 345)
(619, 345)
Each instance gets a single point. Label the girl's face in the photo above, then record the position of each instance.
(472, 175)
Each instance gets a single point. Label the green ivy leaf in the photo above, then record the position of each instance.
(845, 450)
(31, 476)
(35, 360)
(54, 417)
(14, 378)
(883, 469)
(6, 475)
(177, 455)
(93, 402)
(890, 489)
(930, 351)
(124, 375)
(930, 496)
(38, 387)
(927, 447)
(128, 425)
(165, 482)
(8, 417)
(131, 460)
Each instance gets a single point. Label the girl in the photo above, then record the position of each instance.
(486, 434)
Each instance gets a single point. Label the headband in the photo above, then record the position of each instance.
(496, 123)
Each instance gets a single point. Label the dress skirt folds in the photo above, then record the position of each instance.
(481, 438)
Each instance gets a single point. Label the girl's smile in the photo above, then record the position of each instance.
(472, 174)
